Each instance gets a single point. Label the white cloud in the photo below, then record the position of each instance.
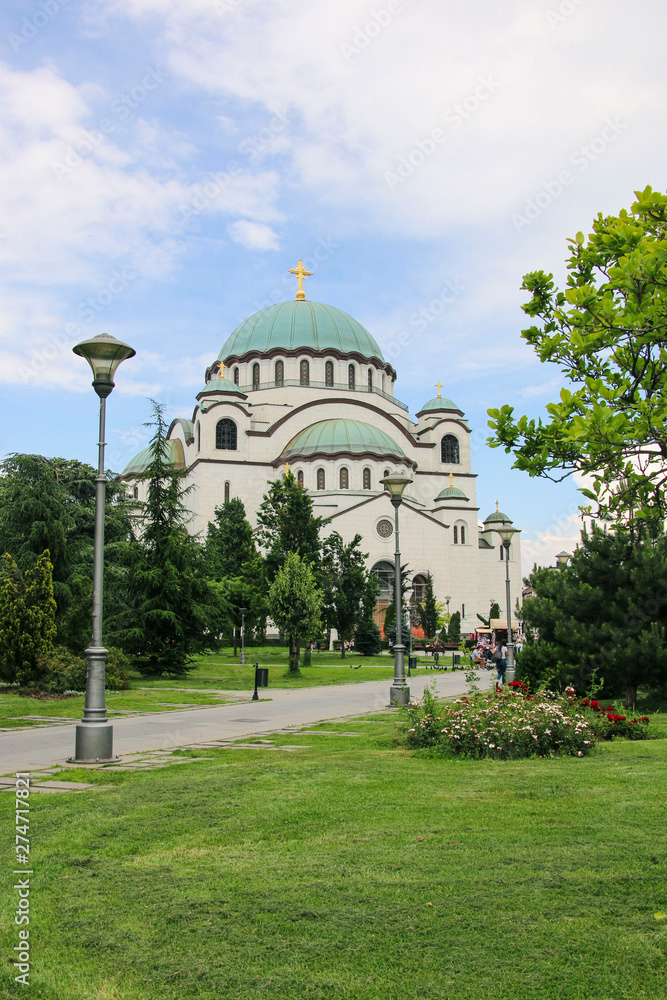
(253, 235)
(561, 536)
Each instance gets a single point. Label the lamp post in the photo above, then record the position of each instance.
(562, 559)
(94, 734)
(399, 692)
(243, 611)
(506, 534)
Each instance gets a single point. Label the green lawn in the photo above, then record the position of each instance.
(352, 869)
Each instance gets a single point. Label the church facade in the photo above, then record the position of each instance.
(303, 386)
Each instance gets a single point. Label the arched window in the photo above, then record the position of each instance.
(344, 479)
(225, 435)
(320, 479)
(383, 381)
(463, 535)
(367, 479)
(384, 572)
(226, 492)
(419, 588)
(280, 373)
(329, 373)
(350, 376)
(449, 450)
(370, 379)
(198, 436)
(136, 492)
(386, 473)
(299, 477)
(304, 372)
(502, 552)
(255, 376)
(456, 535)
(236, 376)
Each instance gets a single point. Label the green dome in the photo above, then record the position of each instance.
(218, 385)
(300, 324)
(439, 403)
(340, 436)
(496, 517)
(175, 457)
(452, 493)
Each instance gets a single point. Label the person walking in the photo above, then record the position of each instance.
(500, 659)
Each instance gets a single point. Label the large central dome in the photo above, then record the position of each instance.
(298, 325)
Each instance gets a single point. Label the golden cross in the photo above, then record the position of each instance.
(451, 479)
(287, 469)
(221, 373)
(496, 506)
(301, 273)
(438, 386)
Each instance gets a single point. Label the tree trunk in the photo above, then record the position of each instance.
(630, 695)
(342, 645)
(306, 655)
(294, 656)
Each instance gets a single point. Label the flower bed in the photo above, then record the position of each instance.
(504, 726)
(609, 724)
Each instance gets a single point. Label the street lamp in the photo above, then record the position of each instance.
(243, 611)
(506, 534)
(562, 559)
(399, 692)
(94, 734)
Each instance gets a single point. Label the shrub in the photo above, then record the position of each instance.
(607, 724)
(61, 671)
(367, 639)
(502, 726)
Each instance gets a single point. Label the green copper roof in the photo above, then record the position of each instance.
(298, 324)
(332, 437)
(218, 385)
(497, 516)
(175, 456)
(439, 403)
(452, 493)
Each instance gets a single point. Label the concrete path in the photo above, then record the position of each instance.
(37, 748)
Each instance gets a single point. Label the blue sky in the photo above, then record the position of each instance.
(166, 161)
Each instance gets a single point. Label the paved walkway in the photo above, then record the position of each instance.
(37, 748)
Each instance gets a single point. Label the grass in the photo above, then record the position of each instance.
(352, 869)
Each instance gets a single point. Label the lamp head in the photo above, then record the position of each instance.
(562, 559)
(395, 487)
(103, 353)
(506, 533)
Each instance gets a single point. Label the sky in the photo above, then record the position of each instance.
(165, 162)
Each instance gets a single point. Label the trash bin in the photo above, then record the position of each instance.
(456, 660)
(262, 677)
(412, 662)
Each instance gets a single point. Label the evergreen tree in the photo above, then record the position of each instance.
(349, 589)
(367, 638)
(172, 611)
(287, 524)
(295, 604)
(604, 614)
(454, 630)
(27, 618)
(428, 611)
(229, 541)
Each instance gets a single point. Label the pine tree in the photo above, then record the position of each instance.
(295, 604)
(454, 630)
(428, 612)
(367, 638)
(27, 618)
(349, 589)
(229, 541)
(172, 611)
(287, 524)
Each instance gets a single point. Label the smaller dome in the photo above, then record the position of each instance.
(224, 385)
(497, 517)
(341, 436)
(175, 457)
(439, 403)
(452, 493)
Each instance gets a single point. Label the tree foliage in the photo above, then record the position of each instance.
(604, 613)
(27, 618)
(367, 638)
(171, 611)
(608, 334)
(454, 628)
(428, 611)
(286, 524)
(349, 589)
(295, 604)
(232, 560)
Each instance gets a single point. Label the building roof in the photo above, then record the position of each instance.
(440, 403)
(497, 517)
(341, 436)
(175, 457)
(452, 493)
(221, 385)
(300, 324)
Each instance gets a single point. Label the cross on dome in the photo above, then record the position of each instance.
(301, 273)
(221, 372)
(438, 386)
(451, 479)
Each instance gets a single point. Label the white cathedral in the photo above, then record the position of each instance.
(303, 386)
